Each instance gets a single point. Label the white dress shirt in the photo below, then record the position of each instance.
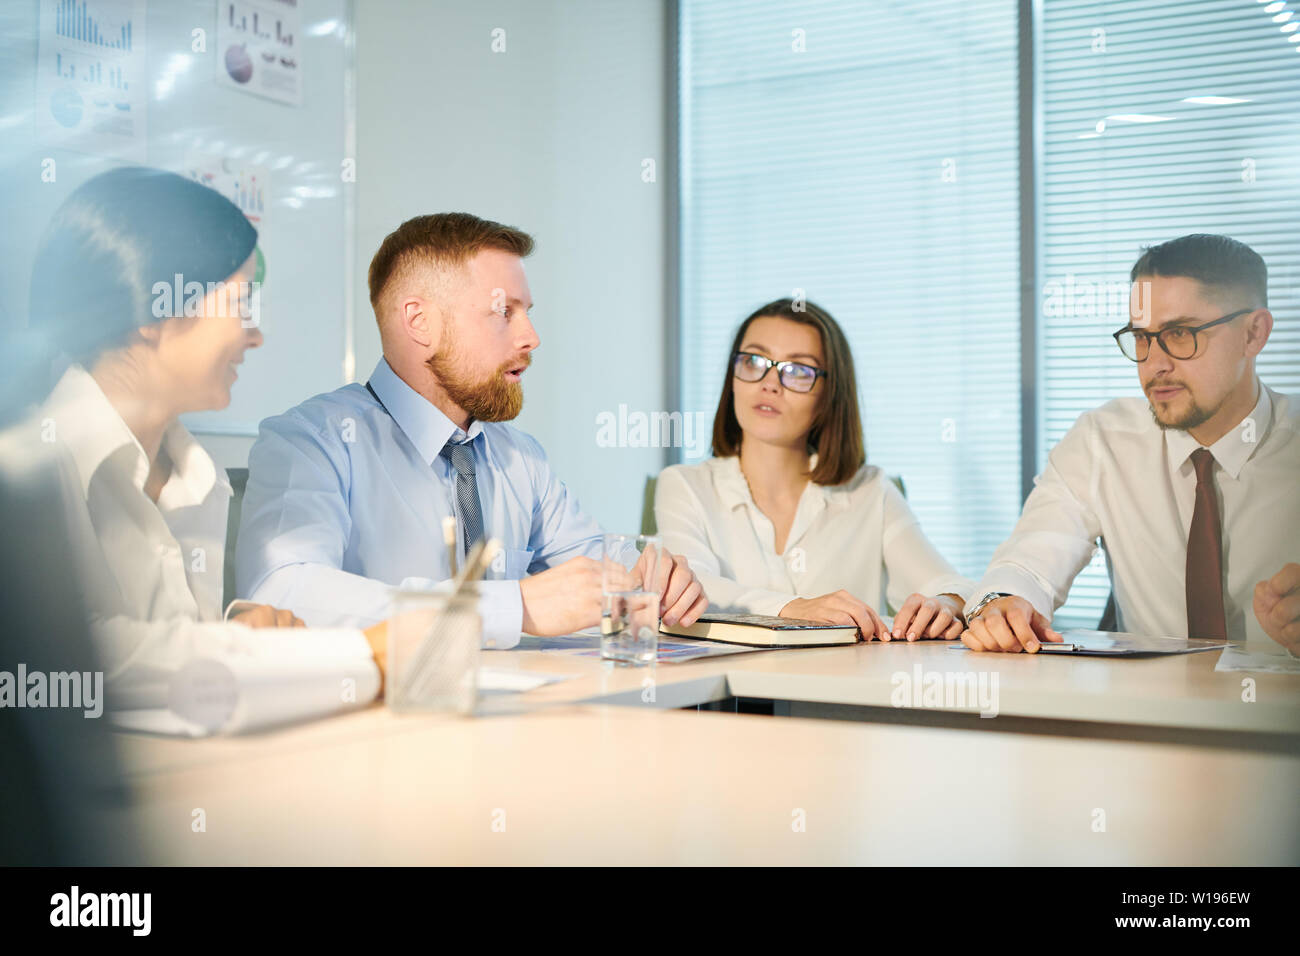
(1118, 477)
(859, 536)
(151, 575)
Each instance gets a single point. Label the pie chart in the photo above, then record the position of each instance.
(66, 107)
(238, 64)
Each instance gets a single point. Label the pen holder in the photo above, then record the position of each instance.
(433, 653)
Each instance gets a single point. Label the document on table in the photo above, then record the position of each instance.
(678, 652)
(156, 721)
(506, 680)
(565, 642)
(670, 651)
(1259, 660)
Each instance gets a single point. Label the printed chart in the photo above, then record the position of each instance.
(259, 48)
(91, 94)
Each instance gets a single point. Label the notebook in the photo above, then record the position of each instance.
(761, 630)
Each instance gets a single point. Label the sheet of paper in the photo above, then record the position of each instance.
(155, 721)
(1259, 660)
(259, 48)
(504, 680)
(676, 651)
(565, 642)
(92, 91)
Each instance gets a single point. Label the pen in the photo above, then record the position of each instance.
(449, 537)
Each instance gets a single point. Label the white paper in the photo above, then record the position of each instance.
(259, 48)
(247, 185)
(1258, 660)
(91, 80)
(155, 721)
(505, 680)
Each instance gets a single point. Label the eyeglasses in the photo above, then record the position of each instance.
(1178, 341)
(795, 376)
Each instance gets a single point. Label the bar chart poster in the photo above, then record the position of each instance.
(259, 48)
(247, 185)
(91, 92)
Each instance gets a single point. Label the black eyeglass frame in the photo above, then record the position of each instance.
(781, 367)
(1142, 334)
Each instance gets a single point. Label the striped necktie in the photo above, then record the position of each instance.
(461, 457)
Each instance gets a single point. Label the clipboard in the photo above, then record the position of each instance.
(1121, 644)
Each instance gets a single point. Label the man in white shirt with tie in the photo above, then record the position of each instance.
(1192, 491)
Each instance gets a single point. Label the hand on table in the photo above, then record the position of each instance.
(263, 615)
(839, 607)
(1009, 624)
(938, 616)
(682, 599)
(562, 599)
(377, 637)
(1277, 607)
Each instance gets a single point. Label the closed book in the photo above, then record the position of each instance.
(762, 630)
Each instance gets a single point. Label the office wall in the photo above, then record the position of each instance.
(549, 134)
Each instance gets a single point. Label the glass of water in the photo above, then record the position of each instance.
(629, 622)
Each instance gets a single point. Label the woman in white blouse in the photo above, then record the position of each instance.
(787, 518)
(145, 281)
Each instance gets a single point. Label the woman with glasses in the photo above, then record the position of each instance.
(787, 518)
(145, 288)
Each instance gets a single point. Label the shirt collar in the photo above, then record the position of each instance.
(733, 489)
(193, 469)
(418, 418)
(89, 427)
(1235, 448)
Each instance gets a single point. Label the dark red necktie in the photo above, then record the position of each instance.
(1205, 617)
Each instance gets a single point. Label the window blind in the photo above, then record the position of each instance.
(866, 154)
(1158, 120)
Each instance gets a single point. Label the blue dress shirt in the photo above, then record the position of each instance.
(346, 497)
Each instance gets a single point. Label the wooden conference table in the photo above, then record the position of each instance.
(1089, 761)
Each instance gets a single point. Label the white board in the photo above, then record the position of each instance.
(188, 118)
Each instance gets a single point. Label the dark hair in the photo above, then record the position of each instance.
(836, 434)
(445, 238)
(113, 238)
(1216, 261)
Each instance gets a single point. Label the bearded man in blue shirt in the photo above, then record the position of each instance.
(347, 492)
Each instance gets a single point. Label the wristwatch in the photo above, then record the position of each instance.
(985, 601)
